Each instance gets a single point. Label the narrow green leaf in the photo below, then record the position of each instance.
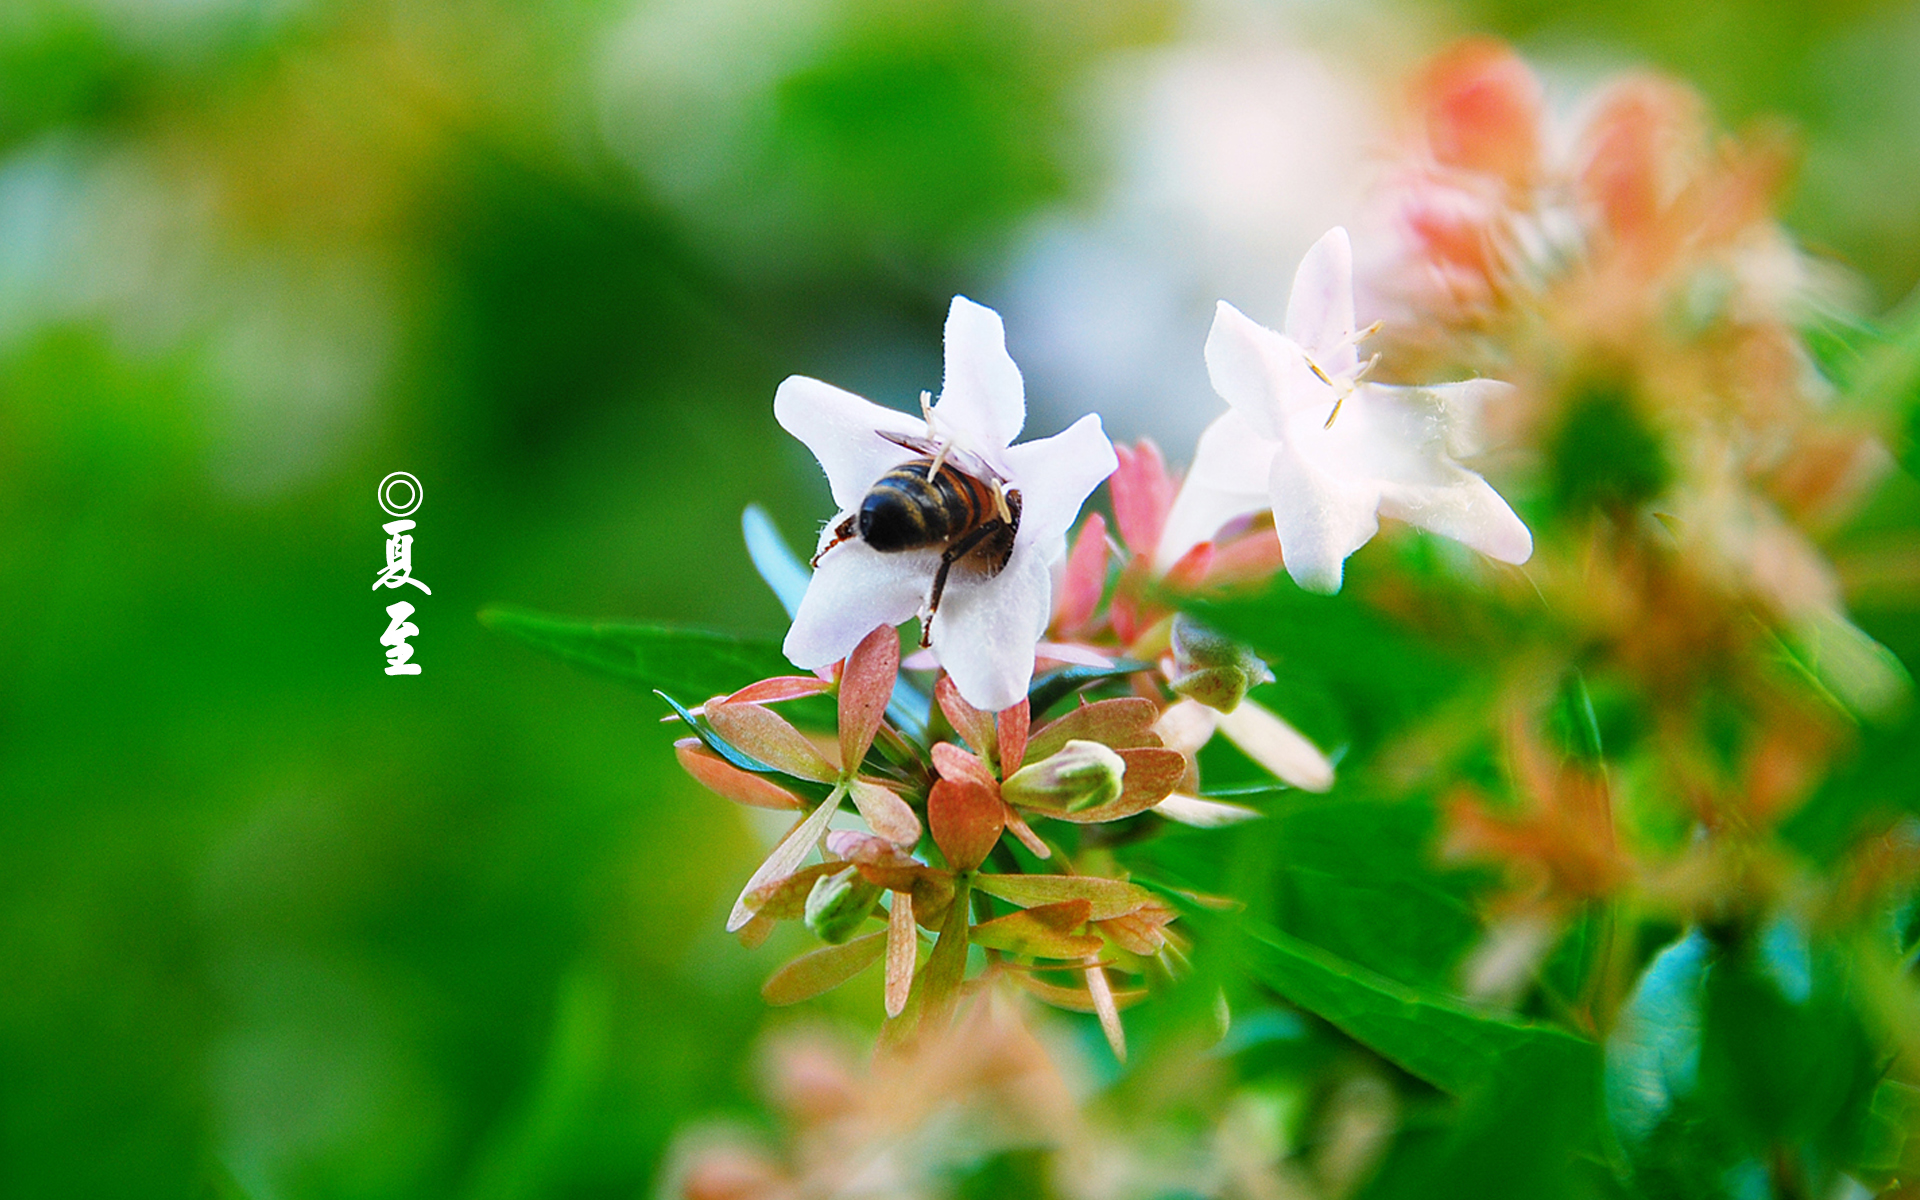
(690, 662)
(820, 971)
(1450, 1045)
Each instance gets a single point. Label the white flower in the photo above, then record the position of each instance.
(1328, 453)
(987, 625)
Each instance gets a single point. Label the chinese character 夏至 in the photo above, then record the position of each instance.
(399, 629)
(399, 568)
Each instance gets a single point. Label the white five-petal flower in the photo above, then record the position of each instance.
(987, 625)
(1327, 452)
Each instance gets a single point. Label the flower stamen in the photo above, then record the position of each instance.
(944, 446)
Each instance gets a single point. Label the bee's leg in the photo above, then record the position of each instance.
(951, 555)
(844, 533)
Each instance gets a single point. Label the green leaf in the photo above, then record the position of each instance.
(1862, 794)
(689, 662)
(1358, 878)
(1428, 1034)
(820, 971)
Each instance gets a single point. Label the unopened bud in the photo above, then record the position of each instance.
(839, 904)
(1215, 670)
(1080, 775)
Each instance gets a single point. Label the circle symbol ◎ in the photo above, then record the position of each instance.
(400, 493)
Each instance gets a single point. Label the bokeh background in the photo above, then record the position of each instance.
(277, 925)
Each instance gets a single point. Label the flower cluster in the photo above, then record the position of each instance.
(1645, 729)
(981, 796)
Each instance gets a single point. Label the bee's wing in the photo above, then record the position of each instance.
(972, 464)
(918, 445)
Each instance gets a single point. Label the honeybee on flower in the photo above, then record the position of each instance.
(975, 545)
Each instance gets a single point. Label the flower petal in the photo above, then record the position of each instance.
(1204, 814)
(855, 589)
(1229, 479)
(1320, 307)
(1320, 519)
(1142, 493)
(1262, 374)
(1270, 741)
(1403, 439)
(1085, 578)
(1055, 476)
(1468, 510)
(986, 629)
(843, 431)
(982, 398)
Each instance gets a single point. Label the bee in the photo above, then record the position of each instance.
(944, 498)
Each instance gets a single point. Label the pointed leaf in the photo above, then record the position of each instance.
(820, 971)
(767, 736)
(903, 951)
(1121, 723)
(784, 860)
(966, 820)
(691, 662)
(879, 859)
(1107, 897)
(1018, 827)
(957, 766)
(785, 899)
(754, 933)
(1043, 932)
(969, 722)
(781, 687)
(1012, 726)
(885, 812)
(866, 684)
(1448, 1044)
(724, 779)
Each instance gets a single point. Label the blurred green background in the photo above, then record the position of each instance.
(276, 924)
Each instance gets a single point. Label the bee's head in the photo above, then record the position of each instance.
(891, 519)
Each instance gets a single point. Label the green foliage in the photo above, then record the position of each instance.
(1605, 454)
(1425, 1032)
(690, 662)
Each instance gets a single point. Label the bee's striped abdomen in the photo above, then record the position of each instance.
(904, 510)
